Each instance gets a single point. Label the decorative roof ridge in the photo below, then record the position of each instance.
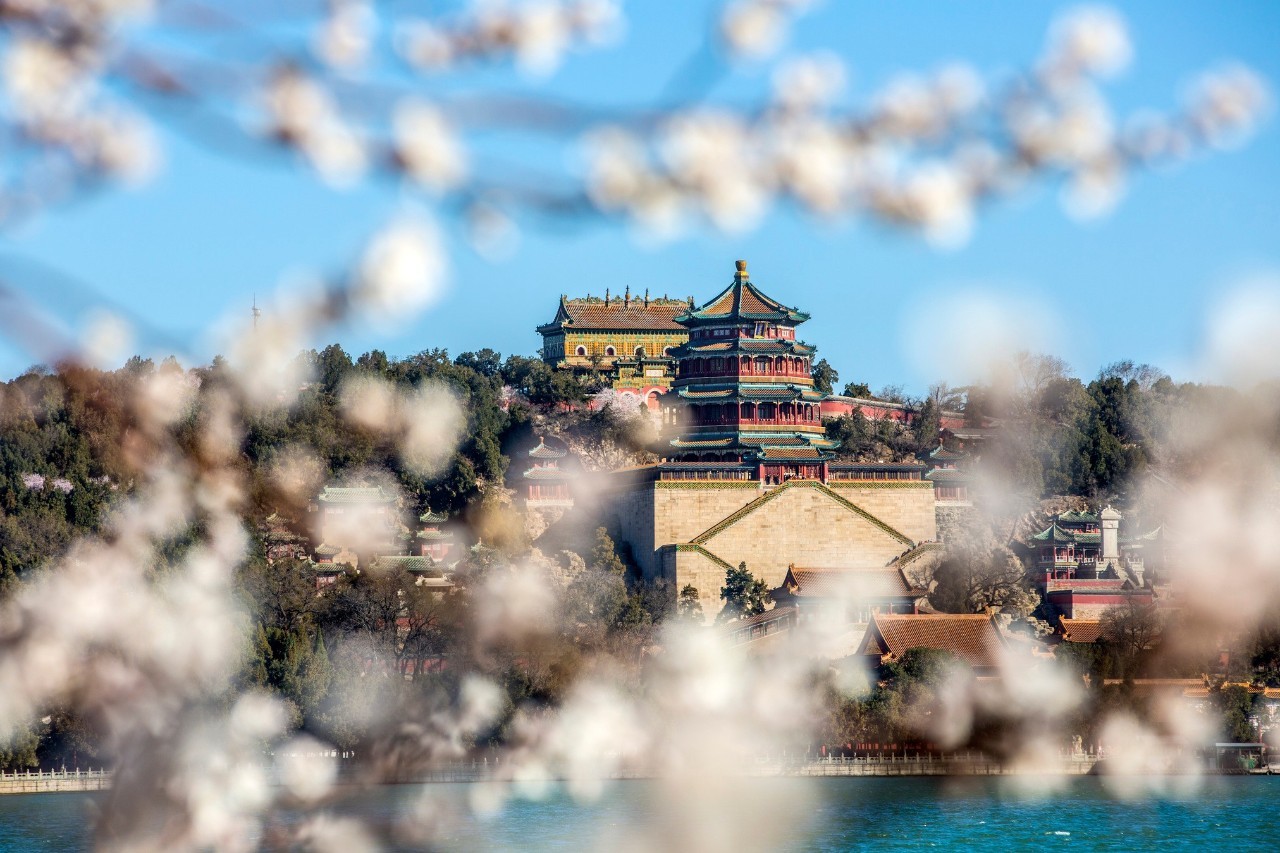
(734, 292)
(972, 617)
(542, 451)
(347, 494)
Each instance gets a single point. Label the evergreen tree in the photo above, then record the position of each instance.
(743, 594)
(315, 676)
(857, 389)
(824, 377)
(927, 424)
(689, 605)
(604, 554)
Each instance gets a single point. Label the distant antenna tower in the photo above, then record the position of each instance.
(257, 312)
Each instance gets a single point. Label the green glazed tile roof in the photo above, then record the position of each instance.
(941, 454)
(430, 517)
(544, 452)
(1055, 535)
(746, 346)
(751, 394)
(408, 564)
(696, 443)
(547, 474)
(1077, 517)
(360, 494)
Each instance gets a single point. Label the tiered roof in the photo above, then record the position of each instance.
(548, 473)
(1056, 535)
(941, 455)
(791, 454)
(544, 452)
(754, 441)
(1073, 517)
(752, 393)
(1143, 540)
(432, 531)
(741, 301)
(745, 346)
(741, 304)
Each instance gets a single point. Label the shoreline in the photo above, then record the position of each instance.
(76, 781)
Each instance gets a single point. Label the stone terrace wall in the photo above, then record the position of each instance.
(804, 526)
(907, 505)
(686, 531)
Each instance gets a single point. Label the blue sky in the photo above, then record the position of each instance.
(210, 232)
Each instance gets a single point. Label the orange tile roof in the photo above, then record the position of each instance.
(973, 639)
(851, 583)
(1081, 630)
(619, 314)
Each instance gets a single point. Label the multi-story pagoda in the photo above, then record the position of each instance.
(744, 390)
(547, 483)
(434, 542)
(950, 479)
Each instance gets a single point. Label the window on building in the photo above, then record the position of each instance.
(639, 352)
(581, 350)
(610, 351)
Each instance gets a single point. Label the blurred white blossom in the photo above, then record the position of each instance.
(401, 272)
(428, 147)
(1089, 40)
(345, 37)
(304, 115)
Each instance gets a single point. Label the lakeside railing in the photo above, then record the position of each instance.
(481, 769)
(38, 781)
(888, 764)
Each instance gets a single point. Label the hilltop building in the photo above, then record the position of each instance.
(949, 475)
(838, 405)
(744, 390)
(546, 483)
(847, 596)
(1084, 567)
(973, 639)
(355, 522)
(432, 541)
(629, 340)
(1084, 546)
(749, 475)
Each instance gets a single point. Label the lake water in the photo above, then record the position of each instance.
(1236, 813)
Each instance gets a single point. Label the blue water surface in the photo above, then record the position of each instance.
(1235, 813)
